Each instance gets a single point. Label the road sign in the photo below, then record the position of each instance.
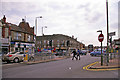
(112, 34)
(101, 37)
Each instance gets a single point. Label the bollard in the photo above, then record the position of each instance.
(26, 58)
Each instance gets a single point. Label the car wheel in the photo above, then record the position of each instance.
(8, 61)
(91, 54)
(16, 60)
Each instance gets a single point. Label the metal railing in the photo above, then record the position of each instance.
(48, 56)
(112, 56)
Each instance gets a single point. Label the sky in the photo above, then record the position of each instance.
(80, 18)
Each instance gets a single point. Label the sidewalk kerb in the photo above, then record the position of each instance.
(43, 61)
(90, 67)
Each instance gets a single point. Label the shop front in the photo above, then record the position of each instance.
(24, 47)
(5, 45)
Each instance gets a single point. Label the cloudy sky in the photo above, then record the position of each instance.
(81, 18)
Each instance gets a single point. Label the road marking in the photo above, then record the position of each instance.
(86, 68)
(70, 68)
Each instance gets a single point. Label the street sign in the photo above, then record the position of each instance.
(101, 37)
(112, 34)
(117, 43)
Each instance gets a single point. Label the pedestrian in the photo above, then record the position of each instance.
(74, 55)
(78, 54)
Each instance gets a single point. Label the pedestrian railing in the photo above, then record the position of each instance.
(110, 56)
(47, 56)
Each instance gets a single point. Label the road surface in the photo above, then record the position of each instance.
(65, 68)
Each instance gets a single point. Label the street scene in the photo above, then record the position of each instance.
(59, 39)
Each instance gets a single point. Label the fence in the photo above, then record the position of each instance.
(48, 56)
(111, 56)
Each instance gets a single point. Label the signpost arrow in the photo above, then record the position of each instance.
(101, 38)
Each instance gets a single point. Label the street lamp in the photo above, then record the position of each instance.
(100, 31)
(107, 32)
(36, 23)
(42, 29)
(36, 27)
(101, 49)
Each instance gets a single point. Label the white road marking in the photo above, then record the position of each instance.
(70, 68)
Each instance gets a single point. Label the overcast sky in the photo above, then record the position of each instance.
(81, 18)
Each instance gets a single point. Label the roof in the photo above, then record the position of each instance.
(22, 27)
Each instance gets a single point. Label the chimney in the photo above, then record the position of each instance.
(23, 20)
(72, 36)
(4, 19)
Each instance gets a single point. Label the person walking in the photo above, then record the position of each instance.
(74, 55)
(78, 54)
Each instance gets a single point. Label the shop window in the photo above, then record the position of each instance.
(28, 37)
(23, 49)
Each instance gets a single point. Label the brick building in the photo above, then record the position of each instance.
(0, 36)
(58, 41)
(17, 38)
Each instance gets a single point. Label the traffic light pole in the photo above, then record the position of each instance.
(100, 38)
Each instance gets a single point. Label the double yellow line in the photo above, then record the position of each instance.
(87, 68)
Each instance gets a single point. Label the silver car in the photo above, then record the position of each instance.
(15, 57)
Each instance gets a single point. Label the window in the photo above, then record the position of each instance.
(44, 41)
(22, 49)
(66, 43)
(17, 36)
(28, 37)
(16, 49)
(53, 43)
(6, 32)
(21, 53)
(58, 43)
(48, 42)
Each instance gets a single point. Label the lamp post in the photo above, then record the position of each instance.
(107, 32)
(36, 23)
(36, 27)
(42, 30)
(101, 39)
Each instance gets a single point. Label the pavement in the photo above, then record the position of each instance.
(96, 66)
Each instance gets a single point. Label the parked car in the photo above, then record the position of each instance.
(46, 52)
(97, 52)
(60, 53)
(1, 54)
(83, 52)
(15, 57)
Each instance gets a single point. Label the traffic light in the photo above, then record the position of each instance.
(50, 42)
(110, 40)
(68, 42)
